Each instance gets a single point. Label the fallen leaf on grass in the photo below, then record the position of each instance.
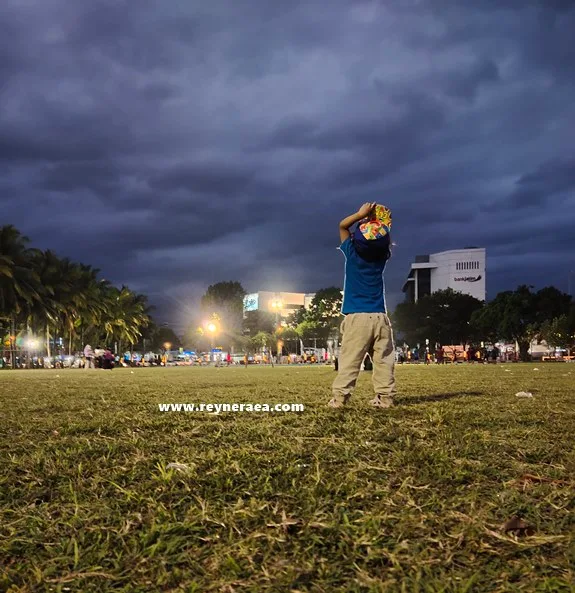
(179, 467)
(530, 542)
(532, 478)
(82, 575)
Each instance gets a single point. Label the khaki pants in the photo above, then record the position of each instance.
(365, 333)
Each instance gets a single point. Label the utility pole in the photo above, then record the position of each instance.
(13, 343)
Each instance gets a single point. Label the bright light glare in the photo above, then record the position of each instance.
(212, 327)
(32, 344)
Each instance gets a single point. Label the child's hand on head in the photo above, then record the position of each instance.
(366, 209)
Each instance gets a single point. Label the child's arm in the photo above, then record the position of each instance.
(344, 225)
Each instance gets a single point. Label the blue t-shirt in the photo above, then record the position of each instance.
(363, 288)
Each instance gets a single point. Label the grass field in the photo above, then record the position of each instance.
(410, 499)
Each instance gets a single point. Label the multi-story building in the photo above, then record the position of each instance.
(460, 269)
(283, 303)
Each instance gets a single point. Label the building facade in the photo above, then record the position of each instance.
(283, 303)
(463, 270)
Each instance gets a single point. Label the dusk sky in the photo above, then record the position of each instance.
(175, 144)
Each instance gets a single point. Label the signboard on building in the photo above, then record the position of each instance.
(251, 302)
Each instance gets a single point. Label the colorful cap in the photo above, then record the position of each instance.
(371, 238)
(378, 225)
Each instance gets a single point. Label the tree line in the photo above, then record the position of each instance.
(521, 315)
(252, 331)
(47, 296)
(446, 317)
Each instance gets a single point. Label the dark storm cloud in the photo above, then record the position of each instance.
(550, 179)
(208, 178)
(176, 144)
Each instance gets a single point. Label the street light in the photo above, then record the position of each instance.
(277, 306)
(32, 344)
(212, 329)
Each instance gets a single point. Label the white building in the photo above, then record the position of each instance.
(462, 270)
(284, 303)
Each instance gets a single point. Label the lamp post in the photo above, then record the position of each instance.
(212, 328)
(31, 346)
(277, 305)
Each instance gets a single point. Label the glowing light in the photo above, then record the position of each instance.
(212, 327)
(276, 304)
(167, 346)
(31, 344)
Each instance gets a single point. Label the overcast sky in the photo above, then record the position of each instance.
(174, 144)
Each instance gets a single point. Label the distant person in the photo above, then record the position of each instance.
(366, 328)
(89, 355)
(495, 354)
(99, 352)
(108, 359)
(439, 354)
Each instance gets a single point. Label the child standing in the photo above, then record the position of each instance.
(366, 327)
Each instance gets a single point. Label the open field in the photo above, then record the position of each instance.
(409, 499)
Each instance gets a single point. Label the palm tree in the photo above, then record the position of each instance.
(56, 295)
(19, 284)
(44, 314)
(126, 316)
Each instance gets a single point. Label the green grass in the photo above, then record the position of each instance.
(409, 499)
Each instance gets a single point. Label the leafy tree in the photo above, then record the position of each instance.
(55, 296)
(290, 338)
(296, 317)
(520, 315)
(162, 335)
(310, 330)
(262, 340)
(323, 318)
(19, 284)
(560, 331)
(195, 338)
(325, 305)
(258, 321)
(408, 324)
(551, 303)
(226, 299)
(442, 317)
